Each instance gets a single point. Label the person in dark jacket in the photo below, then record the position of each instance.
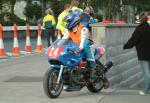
(141, 40)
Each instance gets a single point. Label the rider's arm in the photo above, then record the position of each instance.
(84, 36)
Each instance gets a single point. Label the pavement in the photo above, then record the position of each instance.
(21, 82)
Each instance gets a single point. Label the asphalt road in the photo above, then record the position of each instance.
(21, 82)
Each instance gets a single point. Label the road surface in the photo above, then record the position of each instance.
(21, 82)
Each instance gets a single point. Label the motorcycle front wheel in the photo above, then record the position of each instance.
(51, 88)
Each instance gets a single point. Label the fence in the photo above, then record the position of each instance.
(15, 32)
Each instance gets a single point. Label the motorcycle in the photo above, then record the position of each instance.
(69, 69)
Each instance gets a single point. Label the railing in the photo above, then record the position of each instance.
(13, 31)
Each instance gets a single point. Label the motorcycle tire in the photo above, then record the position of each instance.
(51, 88)
(95, 87)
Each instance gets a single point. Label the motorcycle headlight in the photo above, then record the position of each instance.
(62, 53)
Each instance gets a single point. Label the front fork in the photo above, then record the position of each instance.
(60, 73)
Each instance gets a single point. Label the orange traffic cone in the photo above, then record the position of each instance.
(28, 47)
(2, 51)
(15, 49)
(39, 47)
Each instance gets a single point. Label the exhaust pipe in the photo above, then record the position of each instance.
(107, 66)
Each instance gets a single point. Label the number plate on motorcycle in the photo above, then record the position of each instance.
(54, 52)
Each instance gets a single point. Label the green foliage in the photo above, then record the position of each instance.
(110, 9)
(98, 17)
(58, 6)
(13, 19)
(143, 5)
(32, 10)
(1, 5)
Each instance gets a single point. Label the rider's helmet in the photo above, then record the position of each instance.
(72, 19)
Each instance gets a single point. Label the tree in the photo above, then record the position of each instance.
(143, 5)
(113, 9)
(110, 9)
(12, 2)
(1, 4)
(32, 10)
(44, 6)
(57, 6)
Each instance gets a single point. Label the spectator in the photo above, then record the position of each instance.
(86, 17)
(61, 25)
(137, 18)
(74, 6)
(49, 24)
(141, 40)
(35, 21)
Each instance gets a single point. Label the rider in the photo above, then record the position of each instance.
(81, 35)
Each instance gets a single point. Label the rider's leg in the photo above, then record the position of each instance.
(92, 64)
(90, 57)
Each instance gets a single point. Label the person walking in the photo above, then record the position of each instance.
(141, 40)
(50, 25)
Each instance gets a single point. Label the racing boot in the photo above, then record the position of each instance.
(106, 82)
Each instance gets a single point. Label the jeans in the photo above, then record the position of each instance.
(89, 54)
(146, 71)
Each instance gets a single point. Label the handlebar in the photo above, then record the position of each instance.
(73, 51)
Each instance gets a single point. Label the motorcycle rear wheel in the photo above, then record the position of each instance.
(51, 88)
(95, 87)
